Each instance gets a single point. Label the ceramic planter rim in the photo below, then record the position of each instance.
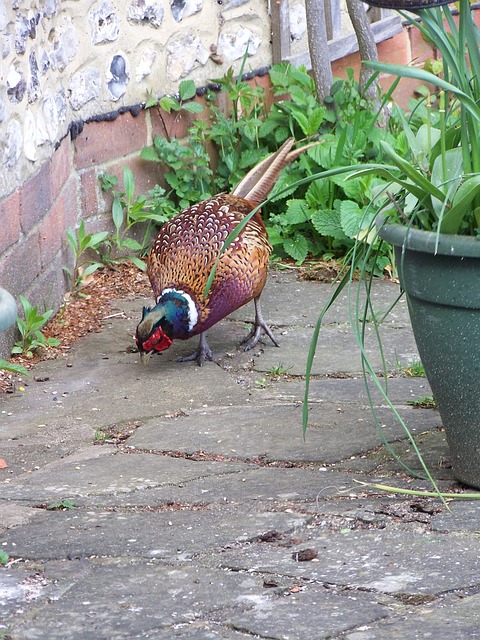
(428, 241)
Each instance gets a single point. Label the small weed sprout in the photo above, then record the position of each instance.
(32, 339)
(278, 370)
(414, 369)
(83, 267)
(61, 505)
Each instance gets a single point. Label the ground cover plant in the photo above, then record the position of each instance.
(319, 219)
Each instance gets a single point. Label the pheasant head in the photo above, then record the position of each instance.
(172, 317)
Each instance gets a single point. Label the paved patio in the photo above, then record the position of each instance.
(199, 511)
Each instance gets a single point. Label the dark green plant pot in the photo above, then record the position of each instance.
(406, 5)
(442, 284)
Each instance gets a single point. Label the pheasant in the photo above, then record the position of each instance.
(185, 251)
(8, 310)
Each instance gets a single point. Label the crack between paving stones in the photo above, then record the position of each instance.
(204, 456)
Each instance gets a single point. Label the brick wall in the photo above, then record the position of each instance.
(66, 189)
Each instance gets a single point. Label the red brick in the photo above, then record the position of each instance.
(88, 192)
(103, 141)
(352, 61)
(21, 266)
(177, 123)
(61, 165)
(395, 50)
(51, 232)
(71, 207)
(47, 291)
(9, 221)
(35, 198)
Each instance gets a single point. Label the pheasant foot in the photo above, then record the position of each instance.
(201, 354)
(259, 329)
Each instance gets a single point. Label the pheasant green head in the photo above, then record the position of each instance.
(172, 317)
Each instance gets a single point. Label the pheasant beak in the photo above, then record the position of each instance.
(145, 357)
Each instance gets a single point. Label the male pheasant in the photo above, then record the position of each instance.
(185, 251)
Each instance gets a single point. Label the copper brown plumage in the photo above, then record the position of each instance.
(185, 251)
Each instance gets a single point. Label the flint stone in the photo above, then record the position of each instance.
(184, 55)
(145, 64)
(84, 86)
(65, 45)
(148, 12)
(29, 139)
(104, 23)
(117, 77)
(12, 143)
(233, 45)
(298, 21)
(184, 8)
(34, 84)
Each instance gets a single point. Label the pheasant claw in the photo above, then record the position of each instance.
(259, 329)
(201, 354)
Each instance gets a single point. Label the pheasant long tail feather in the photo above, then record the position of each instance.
(260, 180)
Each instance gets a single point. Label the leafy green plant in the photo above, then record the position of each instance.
(414, 369)
(322, 219)
(61, 505)
(4, 557)
(31, 336)
(81, 243)
(278, 370)
(445, 185)
(13, 367)
(423, 402)
(177, 104)
(129, 211)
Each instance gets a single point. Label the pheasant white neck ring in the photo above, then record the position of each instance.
(192, 308)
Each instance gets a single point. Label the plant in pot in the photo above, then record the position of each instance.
(432, 217)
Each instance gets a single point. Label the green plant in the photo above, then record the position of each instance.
(61, 505)
(81, 242)
(13, 367)
(321, 219)
(424, 402)
(31, 336)
(440, 180)
(4, 557)
(129, 211)
(174, 104)
(414, 369)
(278, 370)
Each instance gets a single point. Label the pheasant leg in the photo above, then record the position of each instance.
(201, 353)
(259, 329)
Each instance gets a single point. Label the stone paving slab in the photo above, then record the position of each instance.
(114, 600)
(111, 474)
(457, 617)
(164, 535)
(275, 433)
(313, 612)
(384, 560)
